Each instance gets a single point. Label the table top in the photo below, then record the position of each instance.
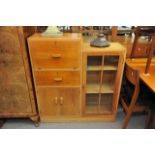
(140, 64)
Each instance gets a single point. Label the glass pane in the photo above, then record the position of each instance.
(108, 81)
(92, 101)
(106, 103)
(111, 62)
(93, 81)
(94, 63)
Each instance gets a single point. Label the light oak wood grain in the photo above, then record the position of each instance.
(58, 101)
(61, 87)
(56, 65)
(57, 53)
(57, 78)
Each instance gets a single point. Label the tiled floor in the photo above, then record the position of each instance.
(137, 122)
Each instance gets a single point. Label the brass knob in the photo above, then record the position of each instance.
(56, 100)
(61, 100)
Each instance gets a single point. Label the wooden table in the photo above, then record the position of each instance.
(140, 64)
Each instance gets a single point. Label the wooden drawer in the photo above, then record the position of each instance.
(58, 101)
(57, 78)
(55, 54)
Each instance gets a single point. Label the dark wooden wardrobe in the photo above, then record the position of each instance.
(17, 97)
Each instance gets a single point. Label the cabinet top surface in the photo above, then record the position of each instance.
(114, 46)
(66, 36)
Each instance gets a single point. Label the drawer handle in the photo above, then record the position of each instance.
(61, 100)
(58, 79)
(56, 56)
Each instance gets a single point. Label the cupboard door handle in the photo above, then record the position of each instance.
(58, 79)
(56, 56)
(56, 100)
(61, 100)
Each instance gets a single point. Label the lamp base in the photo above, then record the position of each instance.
(52, 31)
(100, 41)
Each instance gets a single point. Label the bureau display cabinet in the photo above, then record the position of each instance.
(73, 81)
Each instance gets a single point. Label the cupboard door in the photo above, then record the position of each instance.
(48, 101)
(58, 101)
(69, 101)
(101, 72)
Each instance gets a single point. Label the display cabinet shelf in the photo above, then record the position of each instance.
(96, 88)
(99, 68)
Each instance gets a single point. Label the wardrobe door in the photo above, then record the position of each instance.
(14, 93)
